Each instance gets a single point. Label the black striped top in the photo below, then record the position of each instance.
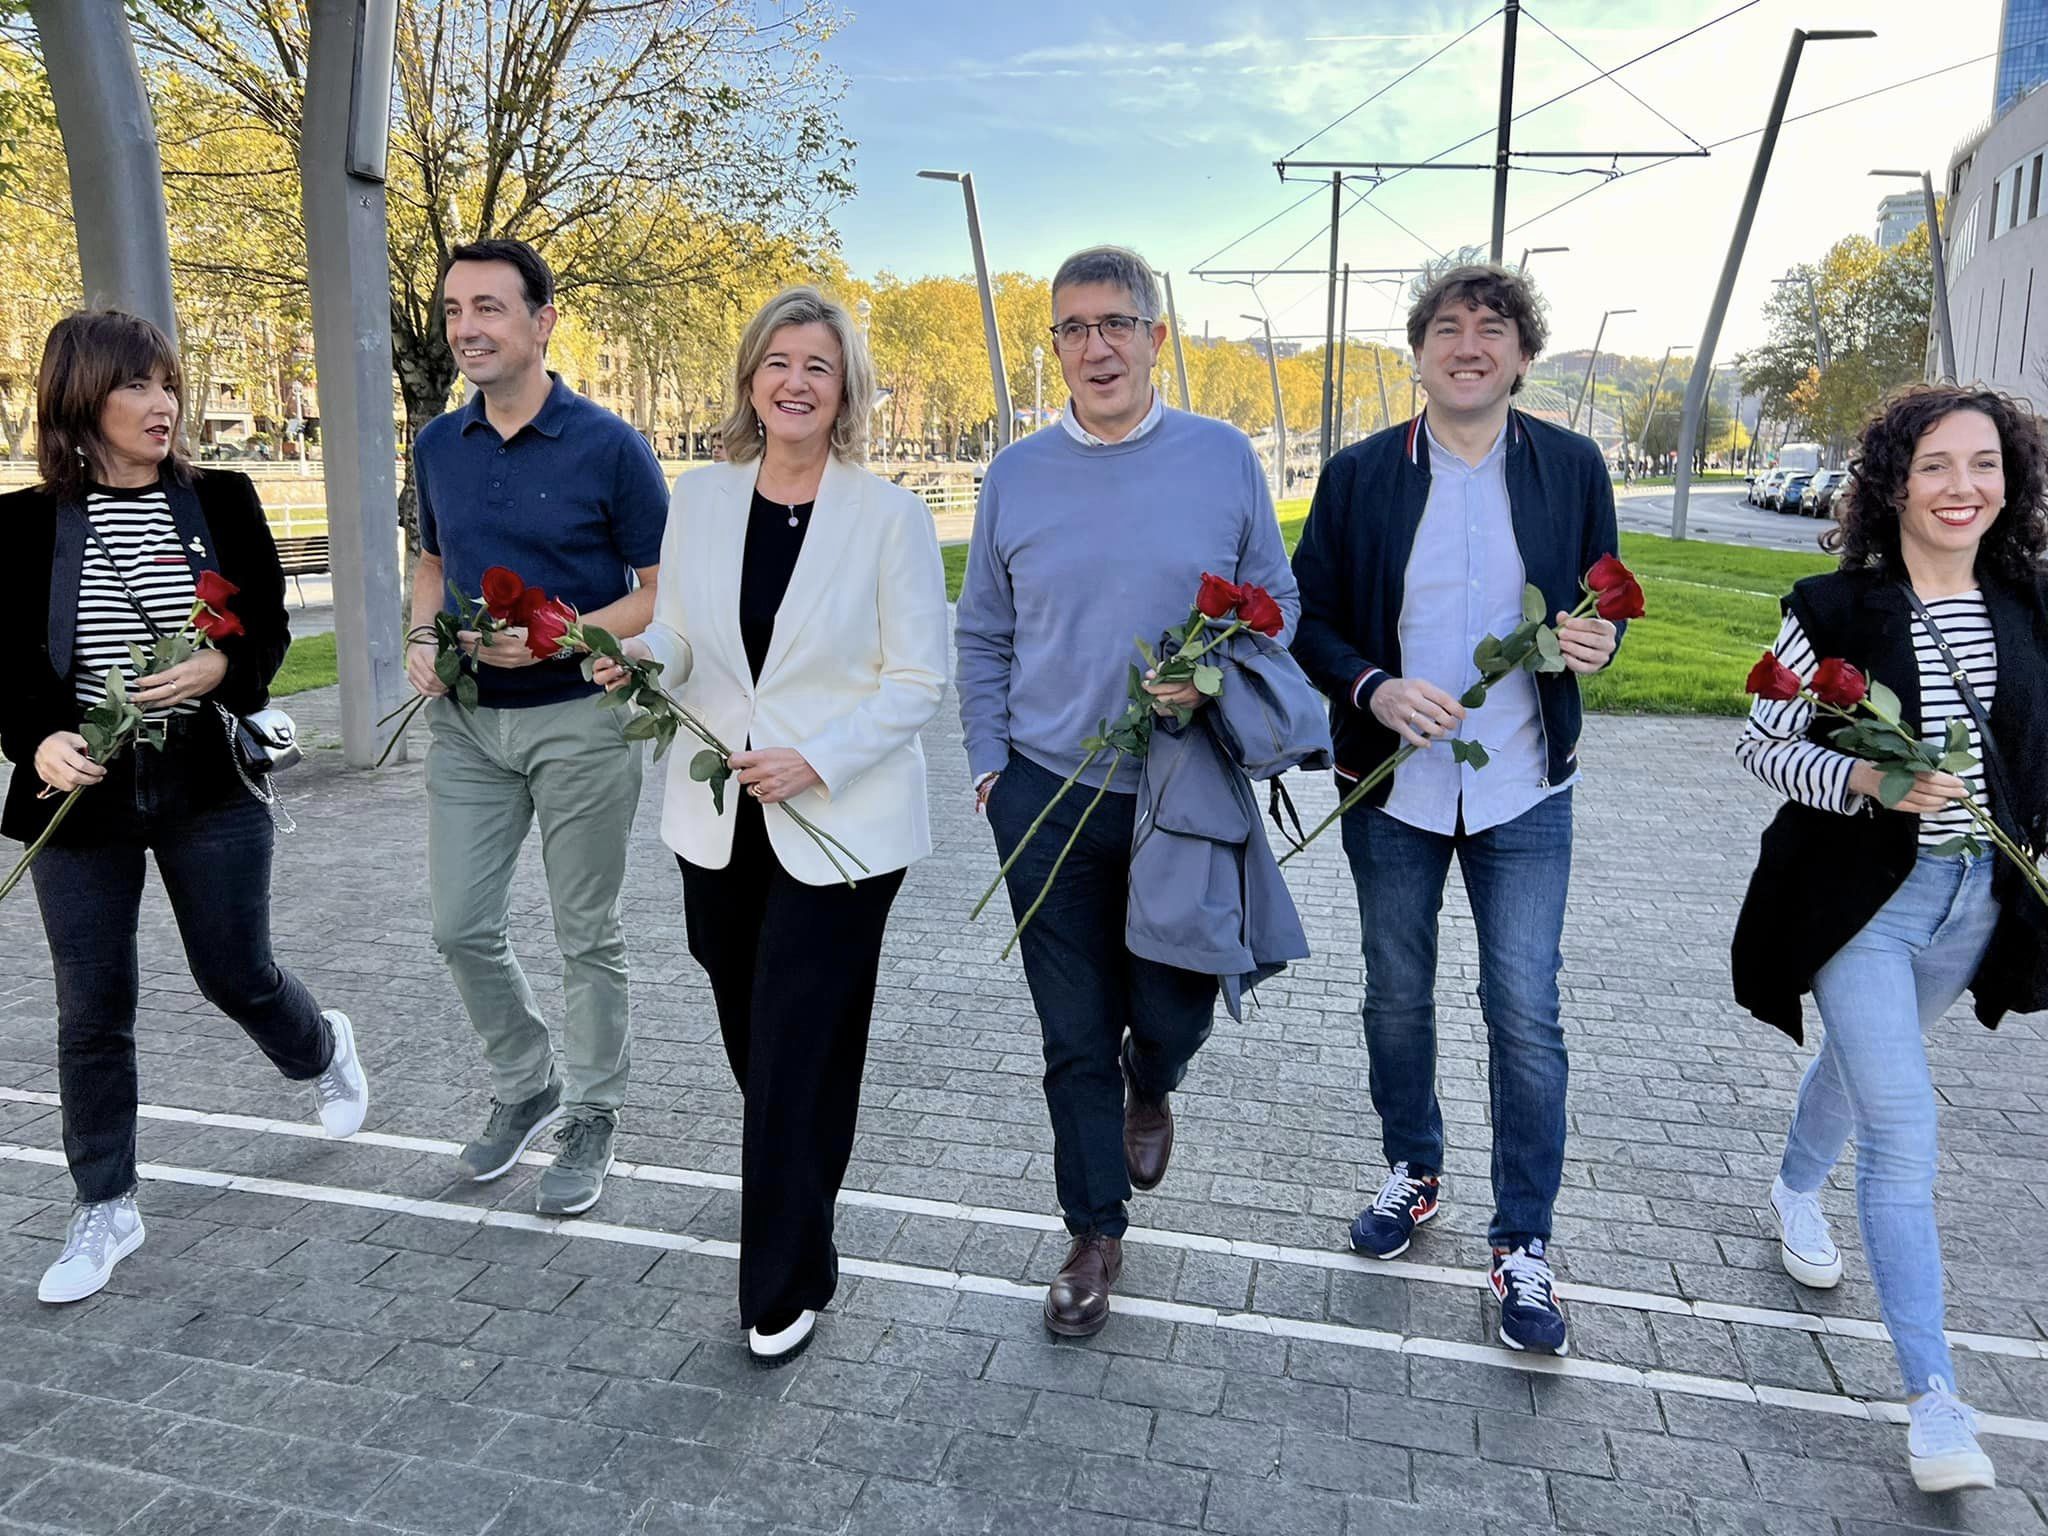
(138, 530)
(1774, 747)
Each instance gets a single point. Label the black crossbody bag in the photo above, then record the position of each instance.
(1995, 771)
(260, 743)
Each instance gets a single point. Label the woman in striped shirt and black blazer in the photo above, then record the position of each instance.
(1940, 597)
(105, 551)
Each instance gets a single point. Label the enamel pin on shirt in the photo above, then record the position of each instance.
(198, 548)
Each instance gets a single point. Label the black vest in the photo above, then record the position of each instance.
(1822, 876)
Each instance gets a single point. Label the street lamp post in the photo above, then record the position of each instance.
(1279, 415)
(988, 300)
(1037, 387)
(1656, 393)
(1696, 386)
(1943, 323)
(1598, 337)
(1522, 266)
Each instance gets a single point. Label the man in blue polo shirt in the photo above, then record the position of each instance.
(531, 476)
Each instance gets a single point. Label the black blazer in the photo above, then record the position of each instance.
(1822, 876)
(221, 528)
(1352, 566)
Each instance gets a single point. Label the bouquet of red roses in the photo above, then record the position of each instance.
(114, 722)
(1873, 730)
(507, 603)
(1222, 609)
(554, 628)
(1611, 590)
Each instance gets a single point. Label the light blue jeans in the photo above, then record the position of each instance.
(1877, 995)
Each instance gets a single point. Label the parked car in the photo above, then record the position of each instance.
(1819, 500)
(1794, 489)
(1768, 487)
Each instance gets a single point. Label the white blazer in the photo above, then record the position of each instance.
(855, 669)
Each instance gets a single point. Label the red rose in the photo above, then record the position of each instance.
(217, 626)
(1218, 597)
(1770, 678)
(523, 607)
(1619, 603)
(1836, 682)
(1255, 606)
(1608, 572)
(545, 627)
(215, 590)
(502, 589)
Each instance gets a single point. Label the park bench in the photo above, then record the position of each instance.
(303, 555)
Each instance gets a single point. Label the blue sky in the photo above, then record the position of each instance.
(1155, 124)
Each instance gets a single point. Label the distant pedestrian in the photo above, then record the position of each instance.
(1942, 531)
(107, 551)
(531, 476)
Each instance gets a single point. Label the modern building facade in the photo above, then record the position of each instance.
(1996, 243)
(1898, 216)
(2022, 50)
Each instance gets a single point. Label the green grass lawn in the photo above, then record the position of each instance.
(1712, 608)
(308, 664)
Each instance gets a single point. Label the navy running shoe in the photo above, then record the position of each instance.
(1404, 1202)
(1531, 1316)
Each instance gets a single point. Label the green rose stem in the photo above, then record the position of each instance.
(1052, 874)
(1178, 668)
(15, 875)
(650, 695)
(1472, 698)
(1032, 831)
(2028, 866)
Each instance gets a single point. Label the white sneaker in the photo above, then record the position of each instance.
(786, 1344)
(101, 1235)
(1805, 1244)
(1941, 1445)
(343, 1089)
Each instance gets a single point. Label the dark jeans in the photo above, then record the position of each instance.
(214, 860)
(1516, 877)
(793, 969)
(1089, 989)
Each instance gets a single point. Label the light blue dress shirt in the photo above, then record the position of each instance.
(1464, 581)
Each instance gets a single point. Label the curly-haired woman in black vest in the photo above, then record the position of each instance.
(1940, 598)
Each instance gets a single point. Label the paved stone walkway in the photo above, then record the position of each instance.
(321, 1338)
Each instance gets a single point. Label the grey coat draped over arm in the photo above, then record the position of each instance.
(1206, 892)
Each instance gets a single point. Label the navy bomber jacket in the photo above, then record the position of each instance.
(1352, 565)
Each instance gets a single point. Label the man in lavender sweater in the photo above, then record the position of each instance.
(1090, 533)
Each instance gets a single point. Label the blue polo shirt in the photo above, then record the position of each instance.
(573, 503)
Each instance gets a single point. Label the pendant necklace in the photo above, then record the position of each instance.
(792, 514)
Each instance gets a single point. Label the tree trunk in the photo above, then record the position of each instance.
(426, 373)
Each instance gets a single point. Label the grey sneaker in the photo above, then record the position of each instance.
(509, 1132)
(100, 1236)
(575, 1179)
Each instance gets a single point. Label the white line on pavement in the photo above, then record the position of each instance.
(1315, 1258)
(1166, 1311)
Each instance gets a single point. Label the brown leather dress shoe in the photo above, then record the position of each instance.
(1077, 1303)
(1148, 1139)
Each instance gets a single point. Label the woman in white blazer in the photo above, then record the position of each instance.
(802, 613)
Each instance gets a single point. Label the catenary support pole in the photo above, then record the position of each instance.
(348, 106)
(1511, 15)
(110, 148)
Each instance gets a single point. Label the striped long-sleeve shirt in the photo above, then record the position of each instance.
(1774, 746)
(138, 530)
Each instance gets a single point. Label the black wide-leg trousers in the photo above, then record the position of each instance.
(793, 969)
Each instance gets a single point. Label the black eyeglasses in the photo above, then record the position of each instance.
(1117, 330)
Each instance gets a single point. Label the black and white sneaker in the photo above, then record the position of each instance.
(779, 1346)
(1531, 1316)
